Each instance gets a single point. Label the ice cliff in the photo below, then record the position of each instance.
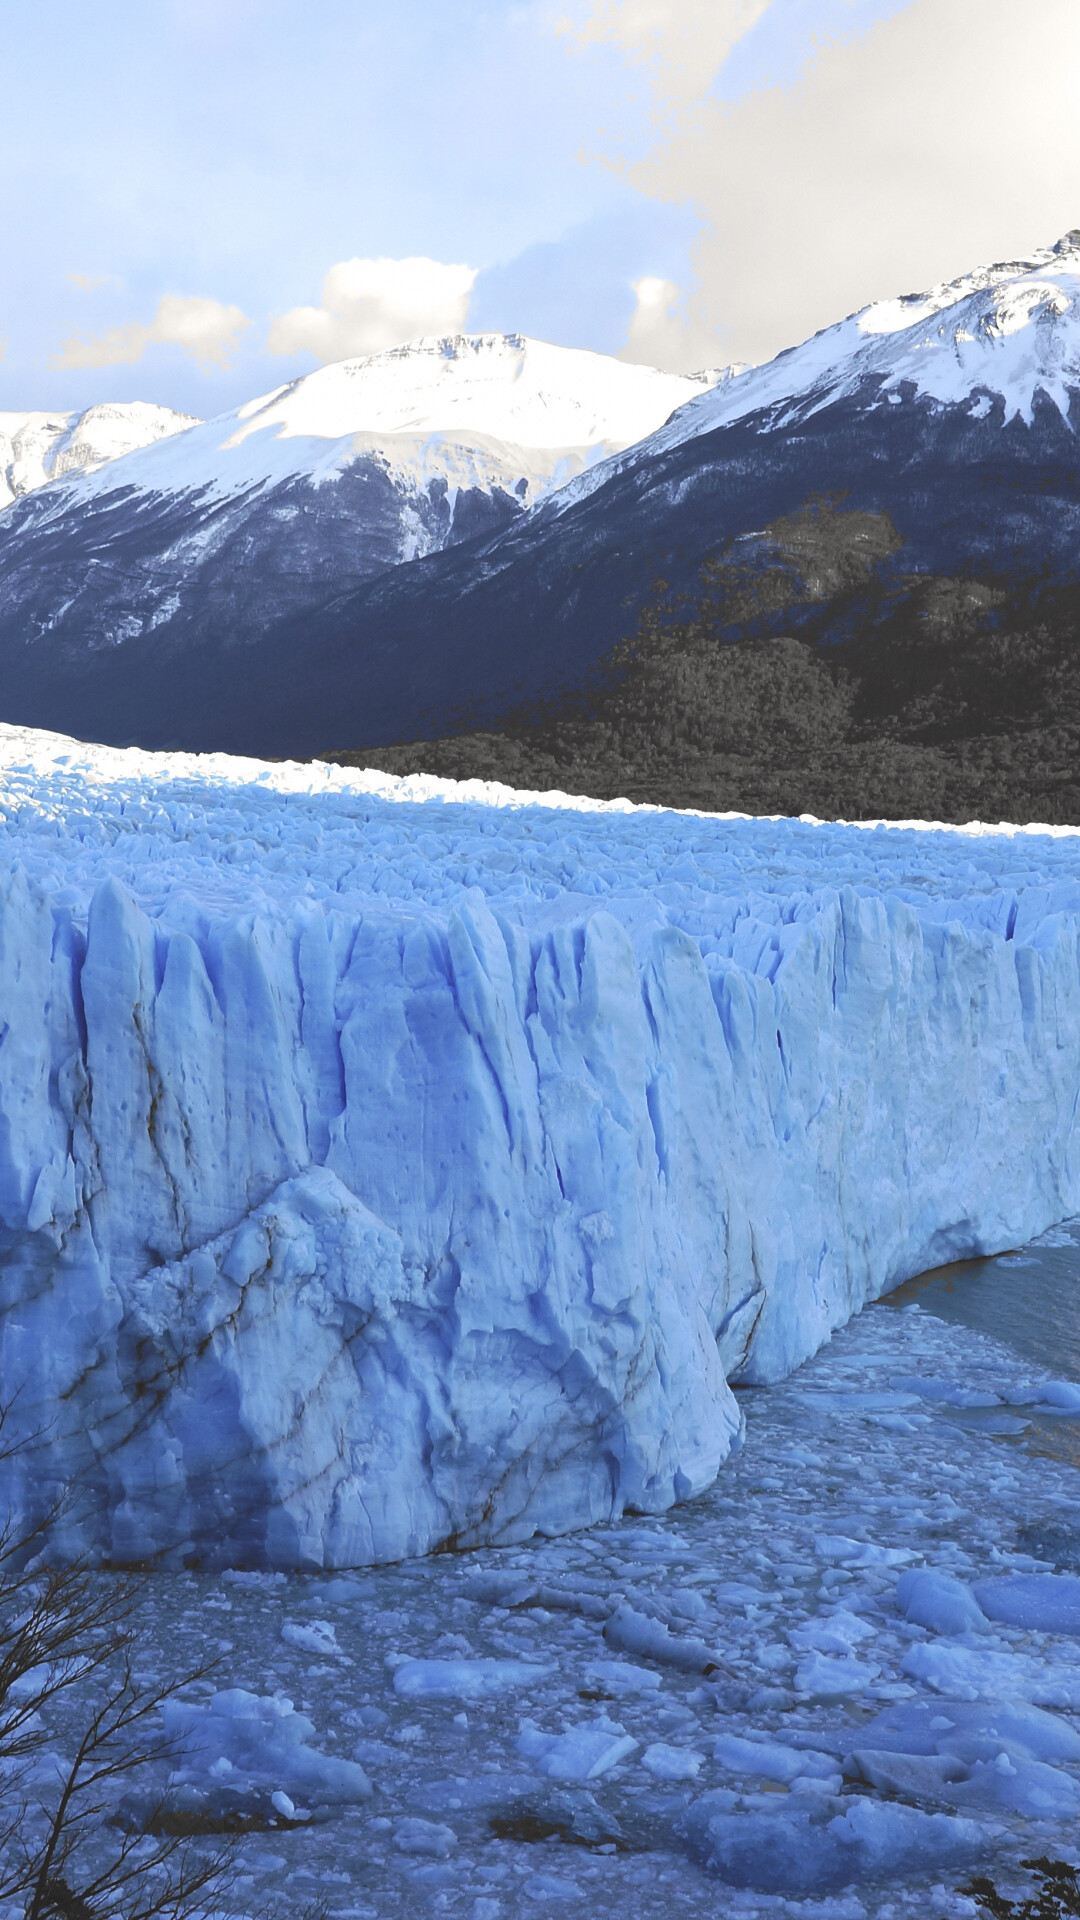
(385, 1166)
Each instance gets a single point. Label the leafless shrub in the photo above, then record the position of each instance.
(67, 1636)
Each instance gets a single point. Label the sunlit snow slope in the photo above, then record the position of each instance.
(38, 447)
(384, 1165)
(990, 341)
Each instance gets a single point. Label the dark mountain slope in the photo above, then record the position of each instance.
(928, 697)
(190, 550)
(464, 637)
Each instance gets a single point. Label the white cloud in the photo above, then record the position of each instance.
(371, 304)
(683, 42)
(203, 328)
(940, 138)
(656, 327)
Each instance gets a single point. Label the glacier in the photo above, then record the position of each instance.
(388, 1166)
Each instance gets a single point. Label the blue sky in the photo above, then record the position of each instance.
(664, 178)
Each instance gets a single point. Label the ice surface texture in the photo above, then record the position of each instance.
(377, 1176)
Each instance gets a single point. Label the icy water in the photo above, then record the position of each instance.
(1029, 1299)
(697, 1713)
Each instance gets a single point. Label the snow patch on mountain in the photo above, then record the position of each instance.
(38, 447)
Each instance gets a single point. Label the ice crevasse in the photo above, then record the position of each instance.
(385, 1166)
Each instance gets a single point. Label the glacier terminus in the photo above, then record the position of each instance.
(387, 1166)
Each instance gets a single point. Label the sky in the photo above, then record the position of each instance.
(202, 199)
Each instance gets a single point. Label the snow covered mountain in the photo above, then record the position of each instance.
(999, 340)
(487, 413)
(227, 563)
(38, 447)
(220, 530)
(959, 431)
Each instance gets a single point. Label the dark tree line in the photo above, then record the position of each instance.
(811, 674)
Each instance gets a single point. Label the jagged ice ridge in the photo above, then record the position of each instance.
(385, 1165)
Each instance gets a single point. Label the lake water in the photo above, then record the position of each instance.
(1028, 1299)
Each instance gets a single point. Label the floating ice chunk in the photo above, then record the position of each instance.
(550, 1886)
(466, 1795)
(424, 1836)
(620, 1676)
(970, 1673)
(798, 1852)
(671, 1763)
(835, 1632)
(1001, 1784)
(939, 1601)
(900, 1422)
(859, 1553)
(1056, 1396)
(951, 1392)
(636, 1632)
(1041, 1602)
(464, 1679)
(374, 1753)
(921, 1776)
(581, 1753)
(23, 1686)
(263, 1742)
(772, 1760)
(856, 1400)
(737, 1593)
(828, 1679)
(1027, 1787)
(340, 1593)
(311, 1636)
(972, 1730)
(688, 1603)
(46, 1768)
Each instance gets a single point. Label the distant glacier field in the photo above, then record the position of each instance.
(388, 1166)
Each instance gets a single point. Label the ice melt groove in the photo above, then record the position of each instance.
(382, 1174)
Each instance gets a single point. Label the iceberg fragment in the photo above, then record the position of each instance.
(801, 1853)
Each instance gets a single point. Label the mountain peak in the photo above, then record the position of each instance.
(501, 386)
(38, 447)
(1010, 330)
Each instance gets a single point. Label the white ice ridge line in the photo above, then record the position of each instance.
(104, 764)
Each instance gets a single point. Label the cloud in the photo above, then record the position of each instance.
(205, 329)
(936, 139)
(371, 304)
(88, 282)
(655, 326)
(683, 42)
